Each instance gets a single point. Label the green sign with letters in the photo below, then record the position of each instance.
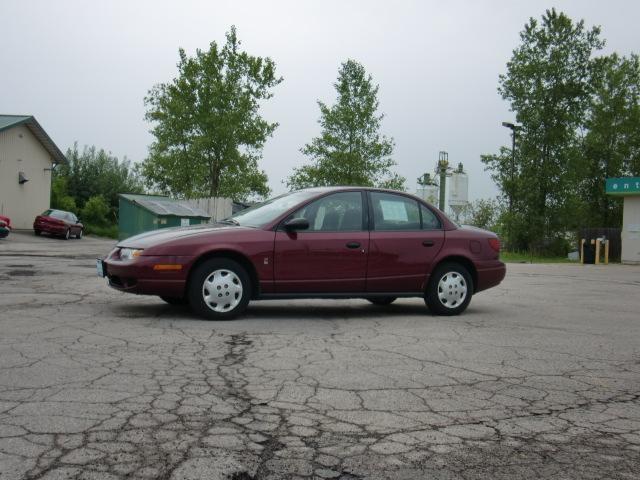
(623, 186)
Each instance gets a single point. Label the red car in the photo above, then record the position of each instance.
(58, 222)
(5, 226)
(333, 242)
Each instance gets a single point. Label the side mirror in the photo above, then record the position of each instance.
(296, 224)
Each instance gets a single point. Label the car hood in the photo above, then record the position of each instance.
(157, 237)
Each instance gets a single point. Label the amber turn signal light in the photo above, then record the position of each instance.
(167, 267)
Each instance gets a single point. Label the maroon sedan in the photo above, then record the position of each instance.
(5, 226)
(334, 242)
(59, 223)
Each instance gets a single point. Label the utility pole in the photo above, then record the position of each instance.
(442, 169)
(514, 128)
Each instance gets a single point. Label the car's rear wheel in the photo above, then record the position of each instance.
(382, 300)
(219, 289)
(67, 234)
(450, 289)
(174, 300)
(37, 232)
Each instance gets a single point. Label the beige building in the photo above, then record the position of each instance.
(27, 156)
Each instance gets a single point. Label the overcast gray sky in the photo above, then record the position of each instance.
(83, 68)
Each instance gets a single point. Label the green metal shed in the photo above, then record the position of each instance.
(143, 213)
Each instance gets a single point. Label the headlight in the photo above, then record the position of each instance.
(130, 253)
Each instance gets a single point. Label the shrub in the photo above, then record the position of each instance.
(96, 212)
(110, 231)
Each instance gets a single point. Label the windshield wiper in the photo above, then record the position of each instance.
(229, 221)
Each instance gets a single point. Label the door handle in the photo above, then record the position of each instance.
(353, 245)
(428, 243)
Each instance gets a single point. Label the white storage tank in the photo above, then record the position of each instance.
(458, 189)
(429, 193)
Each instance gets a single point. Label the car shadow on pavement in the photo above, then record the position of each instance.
(269, 310)
(279, 310)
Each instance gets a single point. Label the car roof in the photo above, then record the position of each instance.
(350, 187)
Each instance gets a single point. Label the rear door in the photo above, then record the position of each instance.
(405, 238)
(329, 257)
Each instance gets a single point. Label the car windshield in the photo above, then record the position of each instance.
(54, 214)
(264, 213)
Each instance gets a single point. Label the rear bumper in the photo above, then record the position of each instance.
(52, 229)
(138, 276)
(490, 274)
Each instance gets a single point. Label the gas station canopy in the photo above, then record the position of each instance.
(623, 186)
(629, 189)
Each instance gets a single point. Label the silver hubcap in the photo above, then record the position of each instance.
(452, 289)
(222, 291)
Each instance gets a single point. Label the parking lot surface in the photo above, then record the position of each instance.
(540, 378)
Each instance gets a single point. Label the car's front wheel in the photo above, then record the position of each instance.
(450, 289)
(79, 234)
(219, 289)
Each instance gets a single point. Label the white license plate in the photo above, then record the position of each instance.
(99, 268)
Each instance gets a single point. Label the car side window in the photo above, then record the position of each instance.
(338, 212)
(429, 219)
(394, 212)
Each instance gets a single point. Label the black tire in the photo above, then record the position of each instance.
(226, 311)
(37, 232)
(79, 234)
(67, 234)
(174, 300)
(382, 301)
(459, 278)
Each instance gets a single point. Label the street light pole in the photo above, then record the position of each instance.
(514, 128)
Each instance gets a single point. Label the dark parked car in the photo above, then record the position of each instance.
(58, 222)
(339, 242)
(5, 226)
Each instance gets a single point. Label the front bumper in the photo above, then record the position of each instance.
(138, 275)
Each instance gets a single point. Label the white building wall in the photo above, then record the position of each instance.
(631, 230)
(20, 151)
(217, 207)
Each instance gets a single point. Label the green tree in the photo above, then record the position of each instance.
(206, 123)
(350, 149)
(483, 213)
(60, 197)
(93, 172)
(611, 146)
(548, 85)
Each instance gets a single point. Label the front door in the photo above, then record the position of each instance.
(329, 257)
(405, 238)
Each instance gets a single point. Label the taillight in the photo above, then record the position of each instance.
(494, 243)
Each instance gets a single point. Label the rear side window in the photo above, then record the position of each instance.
(429, 219)
(394, 212)
(55, 214)
(338, 212)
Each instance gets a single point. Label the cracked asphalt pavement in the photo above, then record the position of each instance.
(540, 378)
